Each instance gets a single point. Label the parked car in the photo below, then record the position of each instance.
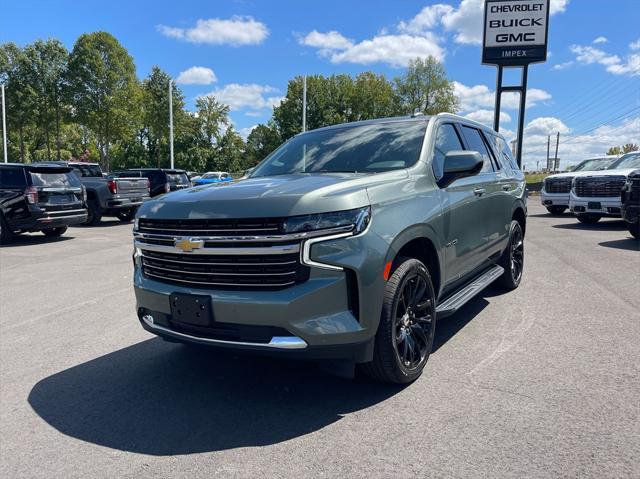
(345, 244)
(597, 194)
(46, 198)
(110, 195)
(556, 188)
(630, 203)
(163, 180)
(212, 177)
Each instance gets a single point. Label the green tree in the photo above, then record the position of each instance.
(629, 147)
(262, 140)
(103, 89)
(614, 150)
(425, 87)
(213, 117)
(230, 152)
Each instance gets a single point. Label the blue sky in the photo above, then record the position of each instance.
(246, 51)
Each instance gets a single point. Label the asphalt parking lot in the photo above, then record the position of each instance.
(541, 382)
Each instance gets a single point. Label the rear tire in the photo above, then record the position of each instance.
(588, 219)
(54, 232)
(512, 259)
(634, 229)
(94, 213)
(405, 334)
(556, 210)
(125, 216)
(6, 235)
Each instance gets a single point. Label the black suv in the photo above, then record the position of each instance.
(161, 180)
(631, 203)
(45, 198)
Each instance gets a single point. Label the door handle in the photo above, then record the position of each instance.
(506, 187)
(479, 191)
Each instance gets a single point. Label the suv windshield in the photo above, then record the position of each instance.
(594, 165)
(630, 160)
(366, 148)
(55, 179)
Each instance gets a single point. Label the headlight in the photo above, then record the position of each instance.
(135, 224)
(358, 219)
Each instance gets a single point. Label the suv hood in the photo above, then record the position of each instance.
(273, 196)
(601, 173)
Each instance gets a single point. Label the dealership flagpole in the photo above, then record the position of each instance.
(171, 121)
(4, 127)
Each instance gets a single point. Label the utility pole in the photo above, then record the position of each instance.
(548, 145)
(171, 121)
(304, 103)
(4, 127)
(556, 161)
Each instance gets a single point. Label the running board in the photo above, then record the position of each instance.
(454, 302)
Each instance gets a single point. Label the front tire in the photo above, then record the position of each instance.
(556, 210)
(54, 232)
(94, 213)
(6, 235)
(634, 229)
(125, 216)
(588, 219)
(512, 259)
(407, 326)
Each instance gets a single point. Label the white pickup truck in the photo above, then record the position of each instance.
(598, 193)
(556, 188)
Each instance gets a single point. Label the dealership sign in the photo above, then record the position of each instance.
(515, 32)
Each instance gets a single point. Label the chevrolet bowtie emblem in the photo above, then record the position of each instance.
(187, 245)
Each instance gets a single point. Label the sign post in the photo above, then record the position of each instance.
(515, 35)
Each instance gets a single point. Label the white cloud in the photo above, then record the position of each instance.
(252, 96)
(329, 41)
(635, 45)
(486, 117)
(613, 63)
(562, 66)
(574, 147)
(465, 20)
(479, 97)
(394, 50)
(216, 31)
(244, 132)
(197, 76)
(600, 40)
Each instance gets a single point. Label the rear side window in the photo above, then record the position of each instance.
(12, 178)
(178, 178)
(55, 180)
(504, 153)
(88, 171)
(446, 140)
(476, 143)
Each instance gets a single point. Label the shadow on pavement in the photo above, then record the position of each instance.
(105, 223)
(448, 327)
(27, 239)
(164, 399)
(629, 243)
(602, 225)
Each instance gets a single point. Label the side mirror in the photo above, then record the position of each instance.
(460, 164)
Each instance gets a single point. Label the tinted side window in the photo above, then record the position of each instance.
(446, 140)
(476, 143)
(12, 178)
(504, 153)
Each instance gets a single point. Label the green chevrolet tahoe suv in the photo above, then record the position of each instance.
(345, 244)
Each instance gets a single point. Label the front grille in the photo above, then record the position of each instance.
(231, 332)
(225, 271)
(211, 227)
(557, 185)
(599, 187)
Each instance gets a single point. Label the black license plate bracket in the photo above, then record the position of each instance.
(192, 309)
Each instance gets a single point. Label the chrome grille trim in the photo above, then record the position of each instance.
(162, 268)
(201, 263)
(252, 285)
(232, 250)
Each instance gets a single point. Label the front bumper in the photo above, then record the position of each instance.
(332, 315)
(554, 199)
(631, 213)
(609, 206)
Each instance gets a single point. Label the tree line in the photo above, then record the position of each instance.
(88, 104)
(621, 150)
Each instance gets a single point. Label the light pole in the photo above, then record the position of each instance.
(171, 121)
(4, 128)
(304, 103)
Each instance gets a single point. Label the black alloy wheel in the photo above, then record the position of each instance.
(407, 327)
(512, 260)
